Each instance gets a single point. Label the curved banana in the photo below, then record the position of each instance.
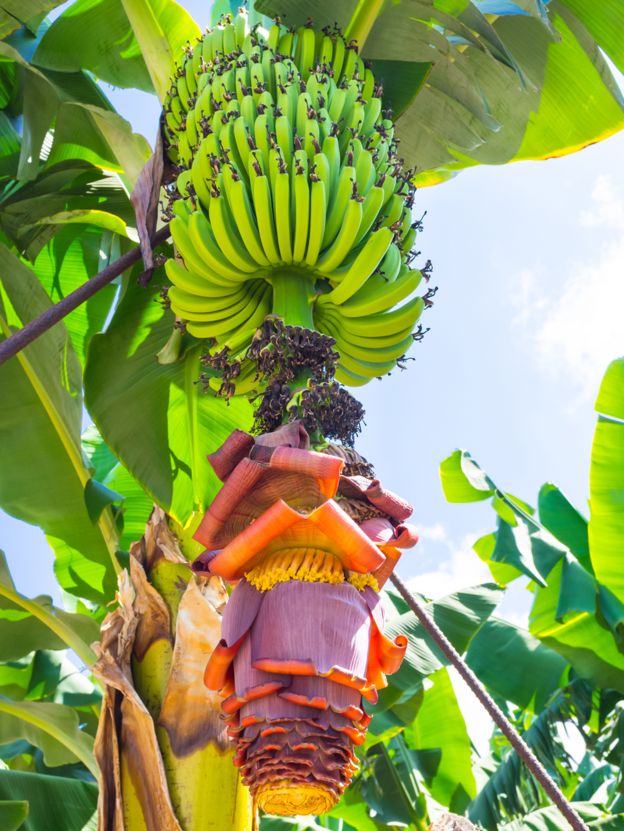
(370, 211)
(343, 243)
(318, 209)
(377, 297)
(339, 203)
(264, 215)
(281, 205)
(183, 239)
(362, 267)
(386, 323)
(251, 315)
(204, 242)
(301, 192)
(325, 318)
(192, 282)
(202, 310)
(226, 235)
(242, 210)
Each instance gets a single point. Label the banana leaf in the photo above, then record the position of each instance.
(157, 419)
(572, 613)
(137, 46)
(13, 812)
(460, 616)
(136, 506)
(549, 819)
(52, 727)
(606, 525)
(54, 802)
(15, 13)
(515, 666)
(579, 636)
(85, 126)
(40, 433)
(506, 793)
(508, 81)
(26, 625)
(440, 727)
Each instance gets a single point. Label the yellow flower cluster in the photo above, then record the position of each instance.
(310, 565)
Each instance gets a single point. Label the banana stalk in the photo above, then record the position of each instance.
(164, 757)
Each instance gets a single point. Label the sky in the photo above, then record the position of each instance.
(529, 263)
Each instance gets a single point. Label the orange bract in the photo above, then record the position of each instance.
(302, 637)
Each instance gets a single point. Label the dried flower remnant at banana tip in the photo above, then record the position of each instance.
(298, 531)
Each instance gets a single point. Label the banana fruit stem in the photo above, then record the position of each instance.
(292, 298)
(363, 20)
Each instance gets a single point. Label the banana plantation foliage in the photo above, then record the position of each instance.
(230, 652)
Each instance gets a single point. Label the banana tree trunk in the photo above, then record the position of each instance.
(164, 757)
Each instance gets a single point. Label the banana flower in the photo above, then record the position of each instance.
(308, 540)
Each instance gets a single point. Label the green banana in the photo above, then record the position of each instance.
(205, 244)
(281, 205)
(264, 214)
(288, 160)
(339, 202)
(251, 315)
(194, 283)
(340, 247)
(318, 209)
(362, 267)
(241, 208)
(378, 296)
(226, 235)
(301, 191)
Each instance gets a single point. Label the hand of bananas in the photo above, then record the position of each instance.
(291, 198)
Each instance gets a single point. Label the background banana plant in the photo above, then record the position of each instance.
(471, 83)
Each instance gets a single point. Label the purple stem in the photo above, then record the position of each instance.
(36, 327)
(515, 739)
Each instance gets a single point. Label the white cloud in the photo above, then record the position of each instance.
(608, 209)
(432, 533)
(578, 330)
(460, 569)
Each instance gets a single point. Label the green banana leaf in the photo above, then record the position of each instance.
(49, 675)
(137, 46)
(515, 666)
(55, 802)
(606, 483)
(505, 793)
(549, 819)
(12, 814)
(460, 616)
(352, 811)
(156, 419)
(579, 636)
(560, 517)
(521, 545)
(395, 787)
(26, 207)
(85, 127)
(572, 613)
(463, 480)
(15, 13)
(440, 727)
(69, 259)
(54, 728)
(26, 625)
(137, 505)
(508, 81)
(40, 434)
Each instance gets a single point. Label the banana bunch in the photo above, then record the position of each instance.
(290, 198)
